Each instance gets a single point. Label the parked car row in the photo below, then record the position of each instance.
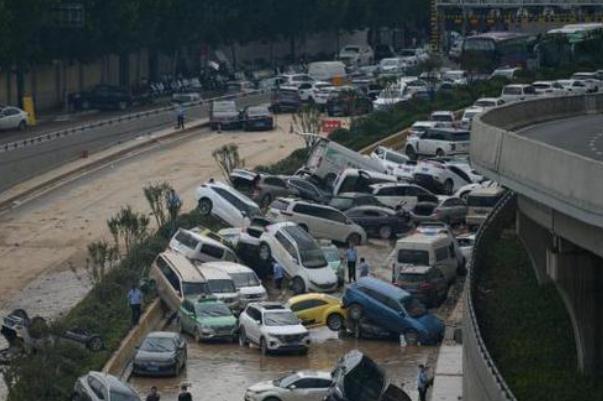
(225, 115)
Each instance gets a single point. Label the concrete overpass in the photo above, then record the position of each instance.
(550, 152)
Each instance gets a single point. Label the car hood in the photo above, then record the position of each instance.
(218, 321)
(284, 330)
(252, 290)
(146, 356)
(322, 275)
(262, 387)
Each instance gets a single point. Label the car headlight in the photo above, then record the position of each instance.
(207, 330)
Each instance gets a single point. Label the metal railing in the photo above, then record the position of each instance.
(502, 214)
(517, 3)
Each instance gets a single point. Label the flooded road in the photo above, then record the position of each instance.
(222, 372)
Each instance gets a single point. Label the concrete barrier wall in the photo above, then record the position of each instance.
(552, 176)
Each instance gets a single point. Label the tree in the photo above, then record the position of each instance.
(157, 195)
(227, 157)
(307, 124)
(128, 228)
(101, 258)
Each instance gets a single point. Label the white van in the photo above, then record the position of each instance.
(518, 92)
(480, 203)
(248, 284)
(175, 278)
(220, 285)
(328, 159)
(327, 70)
(199, 247)
(356, 180)
(426, 250)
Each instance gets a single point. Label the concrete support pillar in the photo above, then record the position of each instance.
(578, 275)
(536, 240)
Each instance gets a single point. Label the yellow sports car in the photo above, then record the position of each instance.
(318, 309)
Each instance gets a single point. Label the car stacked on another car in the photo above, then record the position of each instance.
(199, 247)
(451, 210)
(161, 353)
(348, 200)
(272, 327)
(438, 142)
(246, 282)
(225, 202)
(380, 222)
(259, 187)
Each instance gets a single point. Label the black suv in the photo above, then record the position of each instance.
(104, 97)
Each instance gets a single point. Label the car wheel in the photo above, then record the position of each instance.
(304, 227)
(354, 238)
(298, 286)
(266, 201)
(411, 337)
(448, 187)
(243, 338)
(197, 335)
(22, 125)
(95, 344)
(440, 153)
(335, 321)
(385, 232)
(122, 105)
(263, 346)
(264, 252)
(410, 152)
(355, 311)
(205, 206)
(20, 313)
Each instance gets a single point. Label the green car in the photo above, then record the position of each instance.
(333, 257)
(207, 318)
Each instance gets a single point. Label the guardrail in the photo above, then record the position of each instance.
(482, 380)
(517, 3)
(535, 169)
(50, 136)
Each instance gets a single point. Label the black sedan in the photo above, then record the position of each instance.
(161, 353)
(348, 200)
(348, 103)
(101, 97)
(257, 118)
(309, 189)
(380, 222)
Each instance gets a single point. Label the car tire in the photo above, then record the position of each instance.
(410, 152)
(243, 338)
(448, 187)
(263, 346)
(440, 153)
(335, 322)
(20, 313)
(355, 312)
(385, 232)
(264, 252)
(354, 238)
(205, 206)
(266, 201)
(298, 286)
(95, 344)
(411, 337)
(22, 125)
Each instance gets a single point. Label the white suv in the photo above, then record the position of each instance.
(443, 177)
(394, 162)
(225, 202)
(307, 385)
(517, 93)
(438, 142)
(443, 117)
(405, 195)
(319, 220)
(272, 327)
(300, 256)
(247, 283)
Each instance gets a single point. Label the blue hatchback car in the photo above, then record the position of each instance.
(393, 309)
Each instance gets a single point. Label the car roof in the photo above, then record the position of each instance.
(420, 238)
(203, 238)
(352, 195)
(392, 184)
(447, 112)
(211, 272)
(486, 191)
(111, 381)
(490, 99)
(373, 207)
(314, 374)
(184, 267)
(381, 286)
(162, 334)
(517, 85)
(229, 267)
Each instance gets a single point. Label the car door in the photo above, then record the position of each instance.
(310, 217)
(12, 117)
(286, 254)
(309, 311)
(428, 143)
(445, 261)
(4, 120)
(388, 310)
(387, 196)
(307, 389)
(253, 324)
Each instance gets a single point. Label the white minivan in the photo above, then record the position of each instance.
(248, 284)
(426, 250)
(518, 92)
(220, 285)
(199, 247)
(326, 70)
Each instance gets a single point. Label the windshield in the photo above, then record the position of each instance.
(221, 286)
(285, 318)
(157, 344)
(364, 382)
(413, 307)
(310, 253)
(442, 118)
(413, 257)
(482, 201)
(485, 103)
(285, 381)
(331, 254)
(191, 289)
(248, 279)
(341, 203)
(123, 396)
(471, 114)
(512, 90)
(258, 111)
(541, 86)
(207, 309)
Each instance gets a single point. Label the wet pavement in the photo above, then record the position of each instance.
(222, 372)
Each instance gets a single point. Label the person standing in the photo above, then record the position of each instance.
(153, 395)
(278, 275)
(180, 117)
(174, 203)
(422, 382)
(184, 394)
(351, 256)
(364, 268)
(135, 302)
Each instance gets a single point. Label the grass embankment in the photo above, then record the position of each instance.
(527, 329)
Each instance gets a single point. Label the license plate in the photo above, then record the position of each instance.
(153, 368)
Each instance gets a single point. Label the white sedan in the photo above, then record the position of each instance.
(225, 202)
(12, 118)
(306, 385)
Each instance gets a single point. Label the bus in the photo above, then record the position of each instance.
(485, 52)
(571, 44)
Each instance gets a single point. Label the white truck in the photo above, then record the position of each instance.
(328, 159)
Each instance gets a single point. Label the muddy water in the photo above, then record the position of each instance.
(222, 372)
